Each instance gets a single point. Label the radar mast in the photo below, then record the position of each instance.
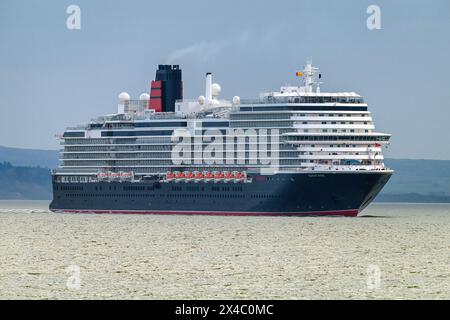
(310, 77)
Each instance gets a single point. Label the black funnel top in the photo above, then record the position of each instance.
(172, 85)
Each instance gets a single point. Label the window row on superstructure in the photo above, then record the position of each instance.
(302, 108)
(237, 160)
(130, 148)
(100, 159)
(291, 115)
(306, 99)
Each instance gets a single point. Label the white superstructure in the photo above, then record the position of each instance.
(314, 131)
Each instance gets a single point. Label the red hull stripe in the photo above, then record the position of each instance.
(348, 213)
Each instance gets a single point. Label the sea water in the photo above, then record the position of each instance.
(389, 251)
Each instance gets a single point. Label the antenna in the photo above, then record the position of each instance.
(310, 77)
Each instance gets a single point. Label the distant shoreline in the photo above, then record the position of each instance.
(412, 198)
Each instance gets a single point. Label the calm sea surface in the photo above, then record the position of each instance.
(392, 251)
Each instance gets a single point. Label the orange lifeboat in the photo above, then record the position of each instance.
(189, 175)
(218, 176)
(170, 175)
(208, 176)
(229, 176)
(198, 175)
(239, 177)
(180, 175)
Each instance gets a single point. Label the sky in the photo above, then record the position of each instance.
(52, 77)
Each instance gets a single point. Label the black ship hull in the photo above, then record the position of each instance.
(330, 193)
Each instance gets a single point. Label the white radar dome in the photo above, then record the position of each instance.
(215, 89)
(236, 100)
(124, 97)
(201, 100)
(144, 96)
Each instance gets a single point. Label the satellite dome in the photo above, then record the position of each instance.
(144, 96)
(124, 97)
(215, 89)
(236, 100)
(201, 100)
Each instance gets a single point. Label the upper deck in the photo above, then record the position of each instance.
(309, 130)
(341, 98)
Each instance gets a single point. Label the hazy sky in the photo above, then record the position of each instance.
(52, 77)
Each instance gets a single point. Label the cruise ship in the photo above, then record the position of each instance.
(293, 152)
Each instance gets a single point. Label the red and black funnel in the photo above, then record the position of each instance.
(166, 89)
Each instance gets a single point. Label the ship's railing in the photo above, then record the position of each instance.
(146, 114)
(78, 127)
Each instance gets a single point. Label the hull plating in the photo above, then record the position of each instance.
(344, 194)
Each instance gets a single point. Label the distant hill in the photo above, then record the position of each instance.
(32, 183)
(24, 174)
(417, 181)
(29, 157)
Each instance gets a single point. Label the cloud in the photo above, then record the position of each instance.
(206, 51)
(202, 52)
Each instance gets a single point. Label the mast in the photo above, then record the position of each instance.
(310, 77)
